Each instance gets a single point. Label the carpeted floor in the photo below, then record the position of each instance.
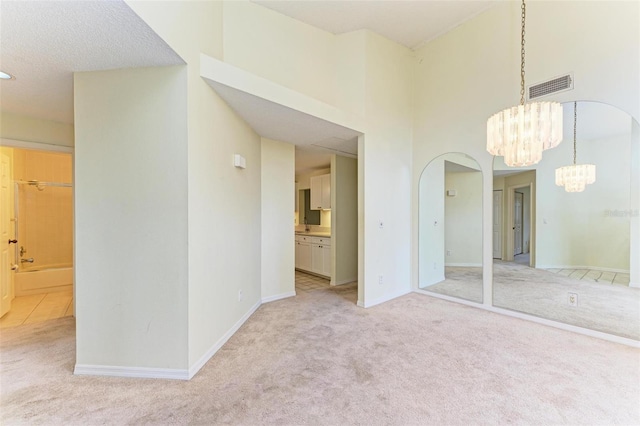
(317, 359)
(612, 309)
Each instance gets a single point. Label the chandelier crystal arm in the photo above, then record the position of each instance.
(521, 133)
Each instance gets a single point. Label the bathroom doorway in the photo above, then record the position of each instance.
(40, 223)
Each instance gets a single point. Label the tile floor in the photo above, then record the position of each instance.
(38, 308)
(307, 282)
(594, 276)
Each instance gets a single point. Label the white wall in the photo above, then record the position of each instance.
(573, 228)
(468, 74)
(344, 237)
(463, 219)
(384, 156)
(29, 129)
(131, 218)
(277, 254)
(260, 40)
(224, 219)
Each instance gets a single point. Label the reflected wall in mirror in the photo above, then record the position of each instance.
(450, 227)
(573, 257)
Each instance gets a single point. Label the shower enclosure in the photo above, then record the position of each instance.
(44, 230)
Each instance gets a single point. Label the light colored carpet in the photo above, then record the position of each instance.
(318, 359)
(464, 282)
(613, 309)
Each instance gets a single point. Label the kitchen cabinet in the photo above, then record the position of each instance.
(321, 192)
(321, 256)
(313, 254)
(303, 255)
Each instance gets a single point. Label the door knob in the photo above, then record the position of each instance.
(13, 241)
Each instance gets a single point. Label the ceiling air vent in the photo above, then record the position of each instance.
(558, 84)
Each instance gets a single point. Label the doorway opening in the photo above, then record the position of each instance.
(37, 218)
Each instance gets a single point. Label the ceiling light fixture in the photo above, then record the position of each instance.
(522, 132)
(576, 177)
(6, 76)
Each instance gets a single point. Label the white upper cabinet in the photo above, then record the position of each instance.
(321, 192)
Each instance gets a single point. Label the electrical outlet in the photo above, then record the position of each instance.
(448, 252)
(380, 223)
(380, 279)
(240, 295)
(573, 299)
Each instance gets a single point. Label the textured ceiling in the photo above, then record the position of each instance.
(410, 23)
(43, 42)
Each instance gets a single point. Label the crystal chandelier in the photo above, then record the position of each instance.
(576, 177)
(522, 132)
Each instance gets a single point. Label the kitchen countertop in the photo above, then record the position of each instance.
(314, 234)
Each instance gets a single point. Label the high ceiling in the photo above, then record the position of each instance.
(42, 43)
(410, 23)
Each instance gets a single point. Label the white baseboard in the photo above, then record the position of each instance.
(374, 302)
(595, 268)
(216, 347)
(634, 284)
(164, 373)
(278, 297)
(469, 265)
(138, 372)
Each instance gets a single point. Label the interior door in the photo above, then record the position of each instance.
(5, 234)
(497, 224)
(517, 222)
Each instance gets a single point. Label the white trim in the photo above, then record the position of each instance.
(360, 304)
(278, 297)
(448, 298)
(634, 284)
(42, 146)
(343, 282)
(475, 265)
(374, 302)
(138, 372)
(562, 326)
(595, 268)
(204, 358)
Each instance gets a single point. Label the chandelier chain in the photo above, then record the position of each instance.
(524, 14)
(575, 122)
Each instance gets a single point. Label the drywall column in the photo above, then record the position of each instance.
(387, 175)
(131, 222)
(277, 193)
(344, 220)
(634, 206)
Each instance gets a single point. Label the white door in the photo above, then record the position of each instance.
(6, 274)
(517, 223)
(497, 224)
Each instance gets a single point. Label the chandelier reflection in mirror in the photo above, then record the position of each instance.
(522, 132)
(576, 177)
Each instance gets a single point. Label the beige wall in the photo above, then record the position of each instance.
(30, 129)
(131, 268)
(463, 219)
(277, 253)
(224, 213)
(344, 200)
